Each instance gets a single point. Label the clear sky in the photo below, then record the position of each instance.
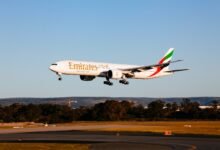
(34, 34)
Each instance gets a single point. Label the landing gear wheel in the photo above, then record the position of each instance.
(59, 78)
(125, 82)
(108, 83)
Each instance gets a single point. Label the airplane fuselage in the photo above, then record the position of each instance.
(90, 70)
(99, 69)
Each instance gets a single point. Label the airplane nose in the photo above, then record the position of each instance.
(54, 67)
(51, 67)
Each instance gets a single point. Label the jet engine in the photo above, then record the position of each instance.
(87, 78)
(115, 74)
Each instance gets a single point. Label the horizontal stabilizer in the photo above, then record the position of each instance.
(172, 71)
(175, 61)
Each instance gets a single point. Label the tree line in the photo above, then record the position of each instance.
(109, 110)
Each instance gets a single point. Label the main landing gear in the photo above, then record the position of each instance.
(123, 81)
(108, 82)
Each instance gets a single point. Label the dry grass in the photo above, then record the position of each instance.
(178, 127)
(42, 146)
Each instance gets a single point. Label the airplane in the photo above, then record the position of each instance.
(88, 71)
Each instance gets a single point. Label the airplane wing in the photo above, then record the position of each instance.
(144, 68)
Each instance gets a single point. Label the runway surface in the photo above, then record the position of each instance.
(110, 140)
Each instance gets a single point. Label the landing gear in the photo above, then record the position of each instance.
(108, 82)
(59, 76)
(123, 81)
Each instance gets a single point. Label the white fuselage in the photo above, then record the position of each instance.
(84, 68)
(90, 70)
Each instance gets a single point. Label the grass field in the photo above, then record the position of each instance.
(158, 127)
(177, 127)
(42, 146)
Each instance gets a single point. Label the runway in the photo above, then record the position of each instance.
(114, 140)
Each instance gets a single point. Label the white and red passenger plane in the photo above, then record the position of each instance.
(90, 70)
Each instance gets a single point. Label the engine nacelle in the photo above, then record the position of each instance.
(115, 74)
(87, 78)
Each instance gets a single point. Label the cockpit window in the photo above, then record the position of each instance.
(54, 64)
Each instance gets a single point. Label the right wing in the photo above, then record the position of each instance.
(144, 68)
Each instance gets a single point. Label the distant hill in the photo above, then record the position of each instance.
(90, 101)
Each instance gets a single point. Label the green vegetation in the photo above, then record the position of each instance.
(157, 110)
(36, 113)
(110, 110)
(41, 146)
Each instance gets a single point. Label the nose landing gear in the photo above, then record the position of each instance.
(59, 76)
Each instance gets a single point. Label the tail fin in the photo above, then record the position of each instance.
(167, 57)
(164, 62)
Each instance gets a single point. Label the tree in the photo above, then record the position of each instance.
(137, 112)
(189, 109)
(175, 107)
(1, 114)
(170, 109)
(215, 105)
(155, 110)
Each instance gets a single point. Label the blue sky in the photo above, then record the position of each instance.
(34, 34)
